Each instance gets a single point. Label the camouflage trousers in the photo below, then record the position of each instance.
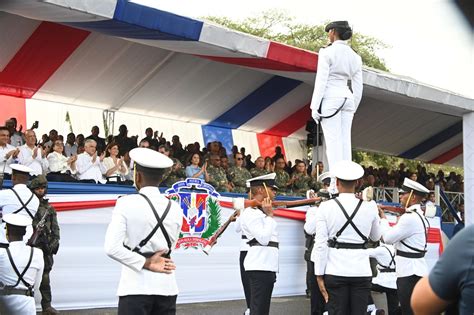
(45, 287)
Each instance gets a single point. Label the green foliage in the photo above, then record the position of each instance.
(279, 26)
(214, 219)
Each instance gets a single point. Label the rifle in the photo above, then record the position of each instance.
(33, 241)
(213, 239)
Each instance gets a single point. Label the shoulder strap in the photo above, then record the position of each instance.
(392, 261)
(426, 236)
(158, 225)
(23, 205)
(20, 275)
(349, 220)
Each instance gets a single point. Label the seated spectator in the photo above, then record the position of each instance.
(195, 170)
(151, 137)
(238, 175)
(70, 148)
(16, 136)
(32, 155)
(248, 164)
(259, 168)
(80, 143)
(175, 174)
(8, 153)
(231, 156)
(300, 179)
(269, 165)
(61, 167)
(116, 170)
(282, 178)
(278, 154)
(98, 140)
(460, 225)
(144, 144)
(217, 175)
(90, 167)
(430, 201)
(164, 149)
(53, 136)
(225, 163)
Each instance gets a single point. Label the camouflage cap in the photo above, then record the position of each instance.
(39, 181)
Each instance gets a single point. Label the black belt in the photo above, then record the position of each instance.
(338, 245)
(254, 242)
(14, 291)
(4, 245)
(244, 237)
(410, 255)
(387, 270)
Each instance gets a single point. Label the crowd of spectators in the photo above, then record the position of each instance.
(105, 160)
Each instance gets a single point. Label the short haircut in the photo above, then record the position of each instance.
(153, 175)
(89, 141)
(4, 128)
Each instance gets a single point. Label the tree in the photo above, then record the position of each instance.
(279, 26)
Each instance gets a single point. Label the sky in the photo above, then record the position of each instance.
(429, 40)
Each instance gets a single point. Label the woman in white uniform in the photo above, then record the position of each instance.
(333, 103)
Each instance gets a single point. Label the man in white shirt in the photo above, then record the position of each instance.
(21, 269)
(32, 155)
(333, 104)
(259, 227)
(343, 226)
(7, 153)
(90, 167)
(410, 238)
(144, 229)
(19, 199)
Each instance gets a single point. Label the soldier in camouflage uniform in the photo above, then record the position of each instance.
(300, 179)
(175, 173)
(48, 239)
(259, 168)
(282, 178)
(217, 175)
(239, 175)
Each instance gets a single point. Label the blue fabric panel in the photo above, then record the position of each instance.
(223, 135)
(62, 188)
(257, 101)
(132, 20)
(433, 141)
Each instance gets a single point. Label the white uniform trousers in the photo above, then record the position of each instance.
(337, 129)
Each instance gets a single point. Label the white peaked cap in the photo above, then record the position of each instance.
(348, 170)
(150, 158)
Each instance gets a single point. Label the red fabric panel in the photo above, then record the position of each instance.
(267, 144)
(81, 205)
(259, 63)
(297, 57)
(13, 107)
(448, 156)
(39, 57)
(292, 123)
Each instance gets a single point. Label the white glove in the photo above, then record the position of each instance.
(316, 117)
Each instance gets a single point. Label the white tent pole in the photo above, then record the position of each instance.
(468, 152)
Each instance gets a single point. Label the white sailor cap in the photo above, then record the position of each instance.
(411, 185)
(21, 168)
(268, 180)
(324, 177)
(17, 219)
(348, 170)
(149, 158)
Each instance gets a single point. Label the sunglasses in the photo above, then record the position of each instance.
(239, 159)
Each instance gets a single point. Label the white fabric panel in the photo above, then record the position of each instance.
(15, 36)
(53, 116)
(233, 40)
(44, 11)
(248, 140)
(136, 124)
(281, 109)
(84, 277)
(300, 133)
(294, 149)
(102, 8)
(468, 149)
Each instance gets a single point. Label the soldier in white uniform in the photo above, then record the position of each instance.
(144, 229)
(21, 269)
(343, 226)
(333, 104)
(410, 238)
(18, 199)
(259, 226)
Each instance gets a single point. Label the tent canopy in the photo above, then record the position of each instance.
(121, 56)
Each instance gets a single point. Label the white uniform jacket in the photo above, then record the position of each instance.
(86, 169)
(410, 230)
(310, 221)
(132, 221)
(383, 254)
(58, 163)
(257, 225)
(337, 64)
(9, 203)
(329, 220)
(4, 162)
(243, 239)
(20, 304)
(39, 165)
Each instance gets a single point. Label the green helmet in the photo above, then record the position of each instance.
(39, 181)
